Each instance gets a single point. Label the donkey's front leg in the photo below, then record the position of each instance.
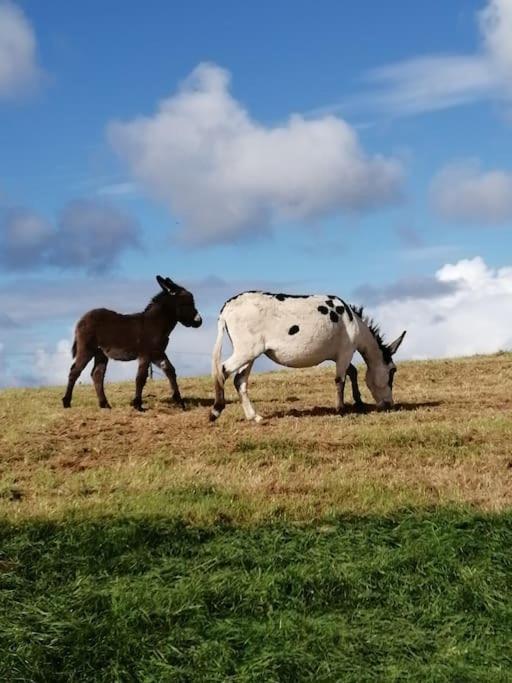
(356, 394)
(168, 368)
(140, 381)
(342, 364)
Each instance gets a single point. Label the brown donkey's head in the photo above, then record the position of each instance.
(180, 301)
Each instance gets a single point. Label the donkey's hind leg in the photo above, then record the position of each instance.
(168, 368)
(98, 377)
(234, 363)
(140, 381)
(241, 381)
(82, 358)
(220, 399)
(342, 369)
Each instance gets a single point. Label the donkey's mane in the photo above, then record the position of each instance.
(375, 330)
(155, 300)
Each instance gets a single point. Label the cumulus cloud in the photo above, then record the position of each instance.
(470, 314)
(434, 82)
(463, 192)
(19, 70)
(51, 367)
(226, 176)
(88, 234)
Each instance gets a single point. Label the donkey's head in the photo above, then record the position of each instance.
(380, 375)
(180, 301)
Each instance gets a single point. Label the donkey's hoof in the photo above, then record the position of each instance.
(214, 414)
(66, 403)
(258, 419)
(341, 411)
(105, 404)
(179, 402)
(360, 407)
(137, 405)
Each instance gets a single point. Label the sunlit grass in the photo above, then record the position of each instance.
(448, 444)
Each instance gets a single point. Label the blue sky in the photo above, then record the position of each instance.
(360, 148)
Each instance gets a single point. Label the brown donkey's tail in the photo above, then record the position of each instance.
(73, 349)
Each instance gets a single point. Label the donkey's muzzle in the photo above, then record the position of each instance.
(197, 322)
(386, 405)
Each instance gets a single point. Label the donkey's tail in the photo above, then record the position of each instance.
(217, 372)
(73, 349)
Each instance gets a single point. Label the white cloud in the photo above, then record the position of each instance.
(226, 176)
(471, 316)
(19, 70)
(49, 368)
(434, 82)
(431, 83)
(463, 192)
(496, 27)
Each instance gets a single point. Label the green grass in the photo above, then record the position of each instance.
(412, 596)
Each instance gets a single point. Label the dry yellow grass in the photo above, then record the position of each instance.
(450, 443)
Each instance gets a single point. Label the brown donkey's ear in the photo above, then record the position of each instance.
(162, 283)
(171, 286)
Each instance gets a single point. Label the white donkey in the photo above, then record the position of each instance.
(299, 332)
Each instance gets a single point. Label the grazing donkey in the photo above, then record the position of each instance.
(102, 334)
(300, 331)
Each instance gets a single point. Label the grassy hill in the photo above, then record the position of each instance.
(157, 546)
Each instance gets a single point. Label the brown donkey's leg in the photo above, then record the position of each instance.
(98, 377)
(140, 381)
(168, 368)
(82, 358)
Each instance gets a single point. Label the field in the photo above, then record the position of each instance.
(156, 546)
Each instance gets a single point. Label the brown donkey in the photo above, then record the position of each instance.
(102, 334)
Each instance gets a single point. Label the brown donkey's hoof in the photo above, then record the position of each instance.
(360, 407)
(137, 405)
(66, 403)
(106, 405)
(179, 401)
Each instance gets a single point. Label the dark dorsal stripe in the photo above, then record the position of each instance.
(348, 309)
(280, 296)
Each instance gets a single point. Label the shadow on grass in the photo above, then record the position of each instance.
(322, 411)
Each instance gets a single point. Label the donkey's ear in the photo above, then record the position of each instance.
(161, 282)
(171, 286)
(394, 346)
